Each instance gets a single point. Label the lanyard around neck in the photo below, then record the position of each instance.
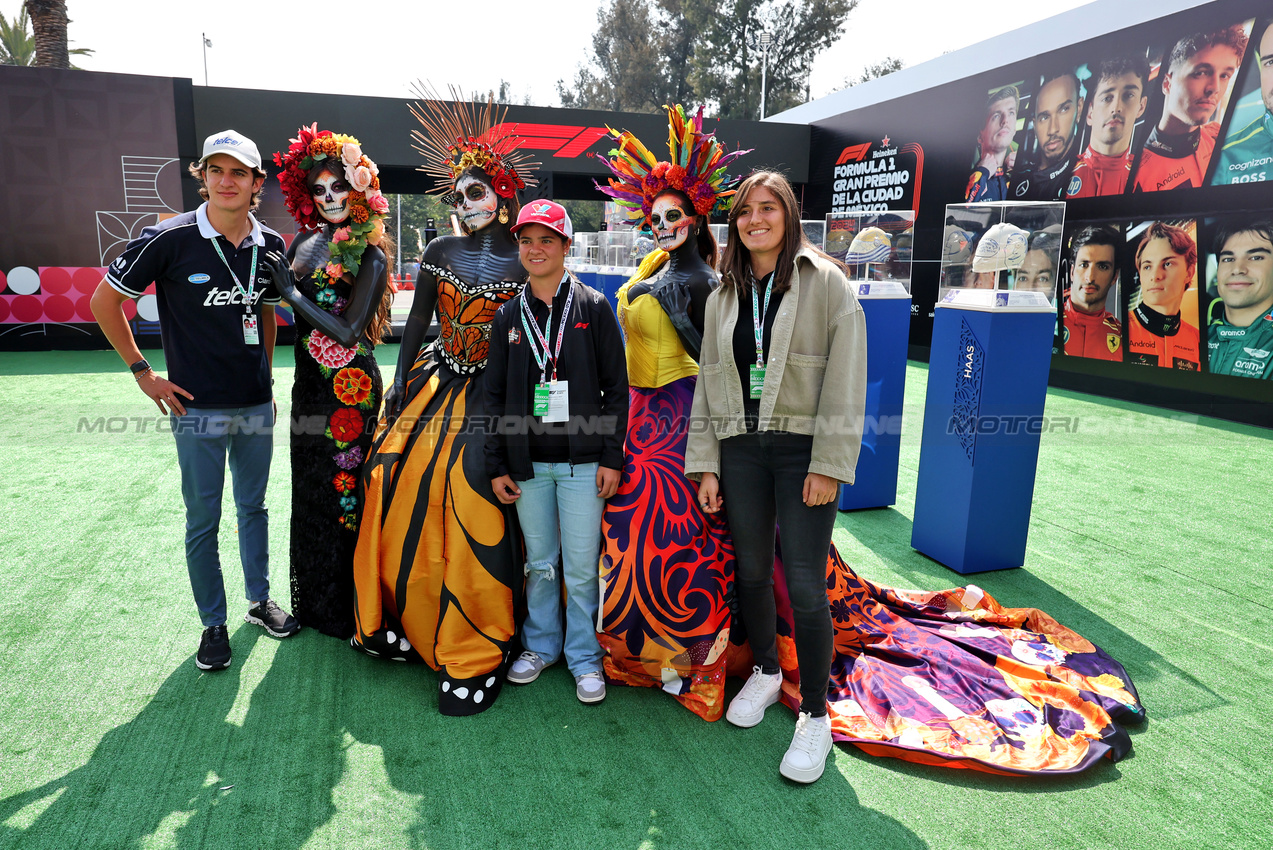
(758, 318)
(539, 345)
(247, 293)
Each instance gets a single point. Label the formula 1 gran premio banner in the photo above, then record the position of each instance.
(1158, 137)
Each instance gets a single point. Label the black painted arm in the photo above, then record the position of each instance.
(369, 289)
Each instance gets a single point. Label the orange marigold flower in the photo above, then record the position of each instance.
(344, 482)
(359, 213)
(352, 386)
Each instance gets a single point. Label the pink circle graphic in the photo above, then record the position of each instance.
(130, 309)
(83, 311)
(55, 280)
(4, 309)
(27, 309)
(59, 308)
(86, 279)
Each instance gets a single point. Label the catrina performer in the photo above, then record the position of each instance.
(439, 563)
(335, 277)
(948, 678)
(666, 568)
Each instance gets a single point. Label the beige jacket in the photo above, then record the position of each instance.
(815, 379)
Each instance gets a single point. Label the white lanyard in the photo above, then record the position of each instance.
(534, 335)
(247, 293)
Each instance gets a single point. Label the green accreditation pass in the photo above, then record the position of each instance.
(552, 401)
(757, 321)
(757, 380)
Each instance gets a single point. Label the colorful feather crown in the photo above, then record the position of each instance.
(463, 134)
(697, 167)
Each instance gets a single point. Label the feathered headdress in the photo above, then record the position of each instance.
(462, 134)
(697, 166)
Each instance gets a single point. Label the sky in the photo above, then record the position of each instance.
(333, 46)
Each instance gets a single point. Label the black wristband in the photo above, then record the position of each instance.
(139, 367)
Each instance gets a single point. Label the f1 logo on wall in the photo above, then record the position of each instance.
(562, 140)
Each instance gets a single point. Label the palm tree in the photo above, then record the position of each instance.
(48, 47)
(48, 20)
(16, 45)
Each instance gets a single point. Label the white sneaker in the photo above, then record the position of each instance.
(526, 668)
(806, 758)
(590, 687)
(761, 691)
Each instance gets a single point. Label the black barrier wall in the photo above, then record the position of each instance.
(92, 159)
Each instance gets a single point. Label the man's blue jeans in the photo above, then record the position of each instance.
(560, 508)
(204, 437)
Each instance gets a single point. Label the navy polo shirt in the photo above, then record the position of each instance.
(200, 309)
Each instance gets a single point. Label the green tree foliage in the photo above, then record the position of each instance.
(871, 72)
(647, 53)
(627, 73)
(727, 63)
(20, 43)
(17, 46)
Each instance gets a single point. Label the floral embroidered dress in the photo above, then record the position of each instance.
(335, 401)
(948, 678)
(439, 561)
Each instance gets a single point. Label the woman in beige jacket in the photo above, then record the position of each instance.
(776, 427)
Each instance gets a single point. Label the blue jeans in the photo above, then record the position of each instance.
(560, 507)
(203, 437)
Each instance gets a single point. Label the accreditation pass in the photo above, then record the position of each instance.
(552, 401)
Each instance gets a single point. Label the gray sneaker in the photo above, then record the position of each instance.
(590, 688)
(273, 619)
(526, 668)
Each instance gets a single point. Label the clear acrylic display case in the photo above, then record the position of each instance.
(1002, 256)
(876, 247)
(815, 232)
(614, 247)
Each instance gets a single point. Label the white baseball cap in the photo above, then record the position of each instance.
(233, 144)
(1002, 247)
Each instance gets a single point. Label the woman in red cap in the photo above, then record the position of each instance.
(557, 381)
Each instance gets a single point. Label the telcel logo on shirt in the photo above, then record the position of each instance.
(199, 278)
(218, 297)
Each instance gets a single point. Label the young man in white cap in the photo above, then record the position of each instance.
(216, 319)
(557, 378)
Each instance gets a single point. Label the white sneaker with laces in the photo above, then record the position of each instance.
(526, 668)
(761, 691)
(590, 687)
(806, 758)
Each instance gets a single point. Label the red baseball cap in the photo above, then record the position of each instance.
(548, 213)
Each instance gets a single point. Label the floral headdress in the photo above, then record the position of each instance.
(367, 207)
(463, 134)
(697, 166)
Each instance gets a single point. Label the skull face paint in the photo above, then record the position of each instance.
(331, 197)
(477, 202)
(671, 223)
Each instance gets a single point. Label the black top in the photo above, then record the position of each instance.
(745, 343)
(549, 443)
(200, 309)
(592, 360)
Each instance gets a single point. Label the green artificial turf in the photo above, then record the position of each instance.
(1148, 535)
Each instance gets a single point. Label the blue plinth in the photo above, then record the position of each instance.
(987, 382)
(888, 322)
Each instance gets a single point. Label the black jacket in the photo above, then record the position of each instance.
(592, 360)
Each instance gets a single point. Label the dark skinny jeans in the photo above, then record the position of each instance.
(762, 482)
